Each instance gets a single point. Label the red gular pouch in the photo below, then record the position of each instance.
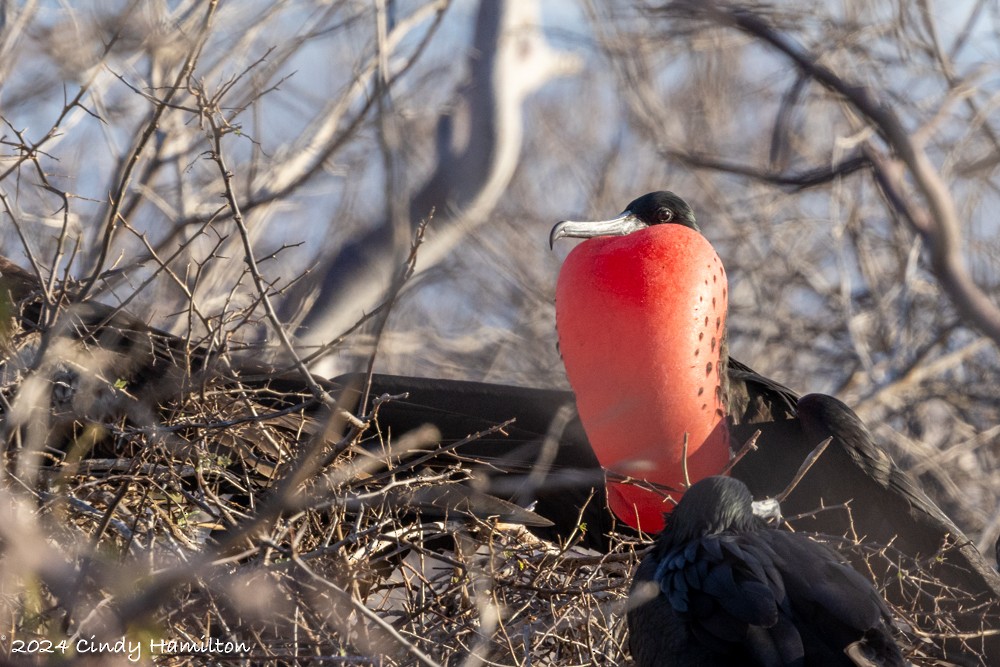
(641, 320)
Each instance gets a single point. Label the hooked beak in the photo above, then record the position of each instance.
(624, 224)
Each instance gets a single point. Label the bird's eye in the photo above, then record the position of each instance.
(665, 214)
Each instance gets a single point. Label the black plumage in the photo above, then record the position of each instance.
(721, 588)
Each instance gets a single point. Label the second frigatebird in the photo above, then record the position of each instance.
(722, 588)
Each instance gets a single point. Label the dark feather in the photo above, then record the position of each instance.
(734, 591)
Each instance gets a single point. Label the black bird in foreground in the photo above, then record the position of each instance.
(721, 588)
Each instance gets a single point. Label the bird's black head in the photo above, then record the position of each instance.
(656, 208)
(713, 505)
(662, 207)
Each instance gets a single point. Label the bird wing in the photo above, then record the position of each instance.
(727, 590)
(831, 604)
(821, 587)
(753, 398)
(771, 597)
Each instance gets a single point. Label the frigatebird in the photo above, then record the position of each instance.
(722, 588)
(641, 315)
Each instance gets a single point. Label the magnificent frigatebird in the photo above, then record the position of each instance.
(721, 588)
(641, 314)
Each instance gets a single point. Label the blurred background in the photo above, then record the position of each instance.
(843, 158)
